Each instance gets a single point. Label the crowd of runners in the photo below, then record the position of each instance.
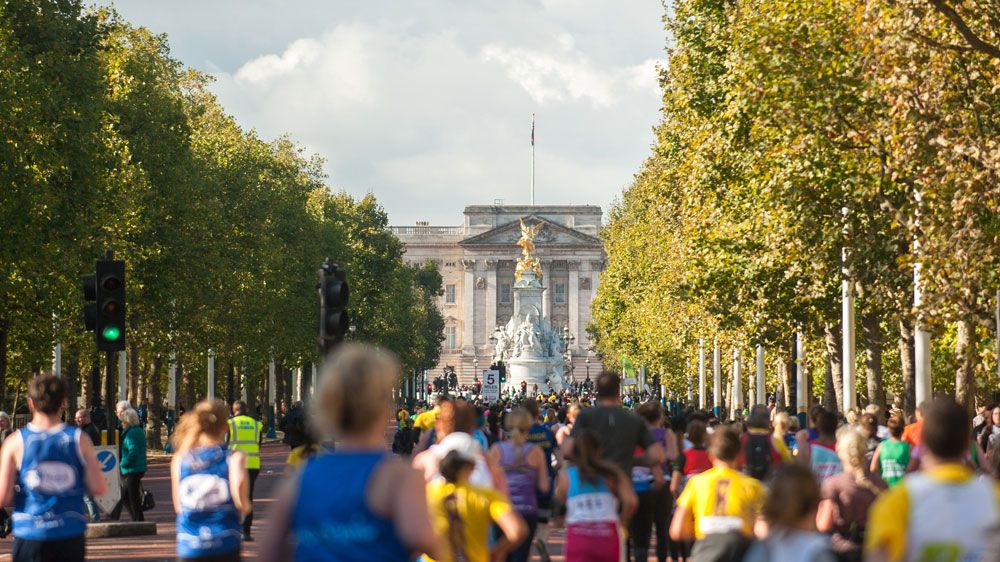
(467, 481)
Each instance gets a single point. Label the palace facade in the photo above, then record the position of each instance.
(477, 261)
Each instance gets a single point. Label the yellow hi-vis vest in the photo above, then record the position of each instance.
(244, 435)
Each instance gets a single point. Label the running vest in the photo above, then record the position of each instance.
(522, 478)
(893, 458)
(824, 461)
(588, 502)
(208, 524)
(244, 435)
(331, 519)
(49, 501)
(949, 520)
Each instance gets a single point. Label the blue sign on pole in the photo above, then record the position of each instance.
(107, 460)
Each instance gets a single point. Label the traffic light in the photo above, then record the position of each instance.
(334, 320)
(503, 371)
(104, 304)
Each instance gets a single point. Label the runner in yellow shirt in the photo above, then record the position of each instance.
(462, 514)
(720, 506)
(942, 512)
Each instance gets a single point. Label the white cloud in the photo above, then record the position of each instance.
(427, 104)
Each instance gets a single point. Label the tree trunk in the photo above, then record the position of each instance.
(286, 386)
(834, 368)
(230, 380)
(968, 359)
(72, 381)
(305, 377)
(133, 364)
(871, 339)
(153, 438)
(790, 373)
(906, 359)
(279, 384)
(187, 397)
(780, 400)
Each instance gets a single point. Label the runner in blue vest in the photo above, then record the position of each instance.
(359, 502)
(54, 465)
(210, 486)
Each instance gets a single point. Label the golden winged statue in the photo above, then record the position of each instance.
(527, 244)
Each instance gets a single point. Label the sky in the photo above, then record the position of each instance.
(428, 103)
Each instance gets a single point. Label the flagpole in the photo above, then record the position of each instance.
(532, 159)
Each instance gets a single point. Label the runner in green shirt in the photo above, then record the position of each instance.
(892, 456)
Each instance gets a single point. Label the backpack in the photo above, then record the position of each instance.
(757, 456)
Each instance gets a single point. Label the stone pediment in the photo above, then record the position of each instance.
(551, 234)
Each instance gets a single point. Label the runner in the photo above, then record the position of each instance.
(892, 456)
(822, 456)
(209, 485)
(53, 465)
(652, 488)
(719, 507)
(848, 496)
(809, 434)
(759, 456)
(790, 511)
(599, 503)
(359, 502)
(462, 513)
(942, 512)
(527, 475)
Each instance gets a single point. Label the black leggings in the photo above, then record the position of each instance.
(248, 520)
(653, 512)
(131, 496)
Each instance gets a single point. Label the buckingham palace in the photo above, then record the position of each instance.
(477, 261)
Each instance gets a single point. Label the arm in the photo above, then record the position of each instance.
(675, 482)
(562, 487)
(93, 480)
(626, 497)
(654, 455)
(824, 517)
(410, 514)
(279, 525)
(9, 456)
(682, 525)
(537, 459)
(514, 531)
(239, 482)
(802, 445)
(175, 482)
(876, 466)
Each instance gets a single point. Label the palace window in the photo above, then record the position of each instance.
(450, 337)
(449, 294)
(560, 296)
(505, 293)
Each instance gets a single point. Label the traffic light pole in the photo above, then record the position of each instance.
(109, 375)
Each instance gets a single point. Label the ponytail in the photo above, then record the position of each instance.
(208, 417)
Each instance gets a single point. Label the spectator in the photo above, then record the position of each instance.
(169, 419)
(83, 421)
(6, 427)
(132, 452)
(143, 411)
(53, 494)
(719, 507)
(790, 512)
(943, 511)
(848, 496)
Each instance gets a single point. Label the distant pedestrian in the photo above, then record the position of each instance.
(210, 486)
(132, 455)
(246, 435)
(83, 421)
(361, 487)
(6, 427)
(143, 411)
(53, 465)
(169, 419)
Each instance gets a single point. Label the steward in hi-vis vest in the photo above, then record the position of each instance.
(245, 435)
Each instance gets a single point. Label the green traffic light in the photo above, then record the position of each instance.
(111, 333)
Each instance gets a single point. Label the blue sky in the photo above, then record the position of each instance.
(428, 104)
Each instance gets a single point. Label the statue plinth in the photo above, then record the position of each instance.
(528, 345)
